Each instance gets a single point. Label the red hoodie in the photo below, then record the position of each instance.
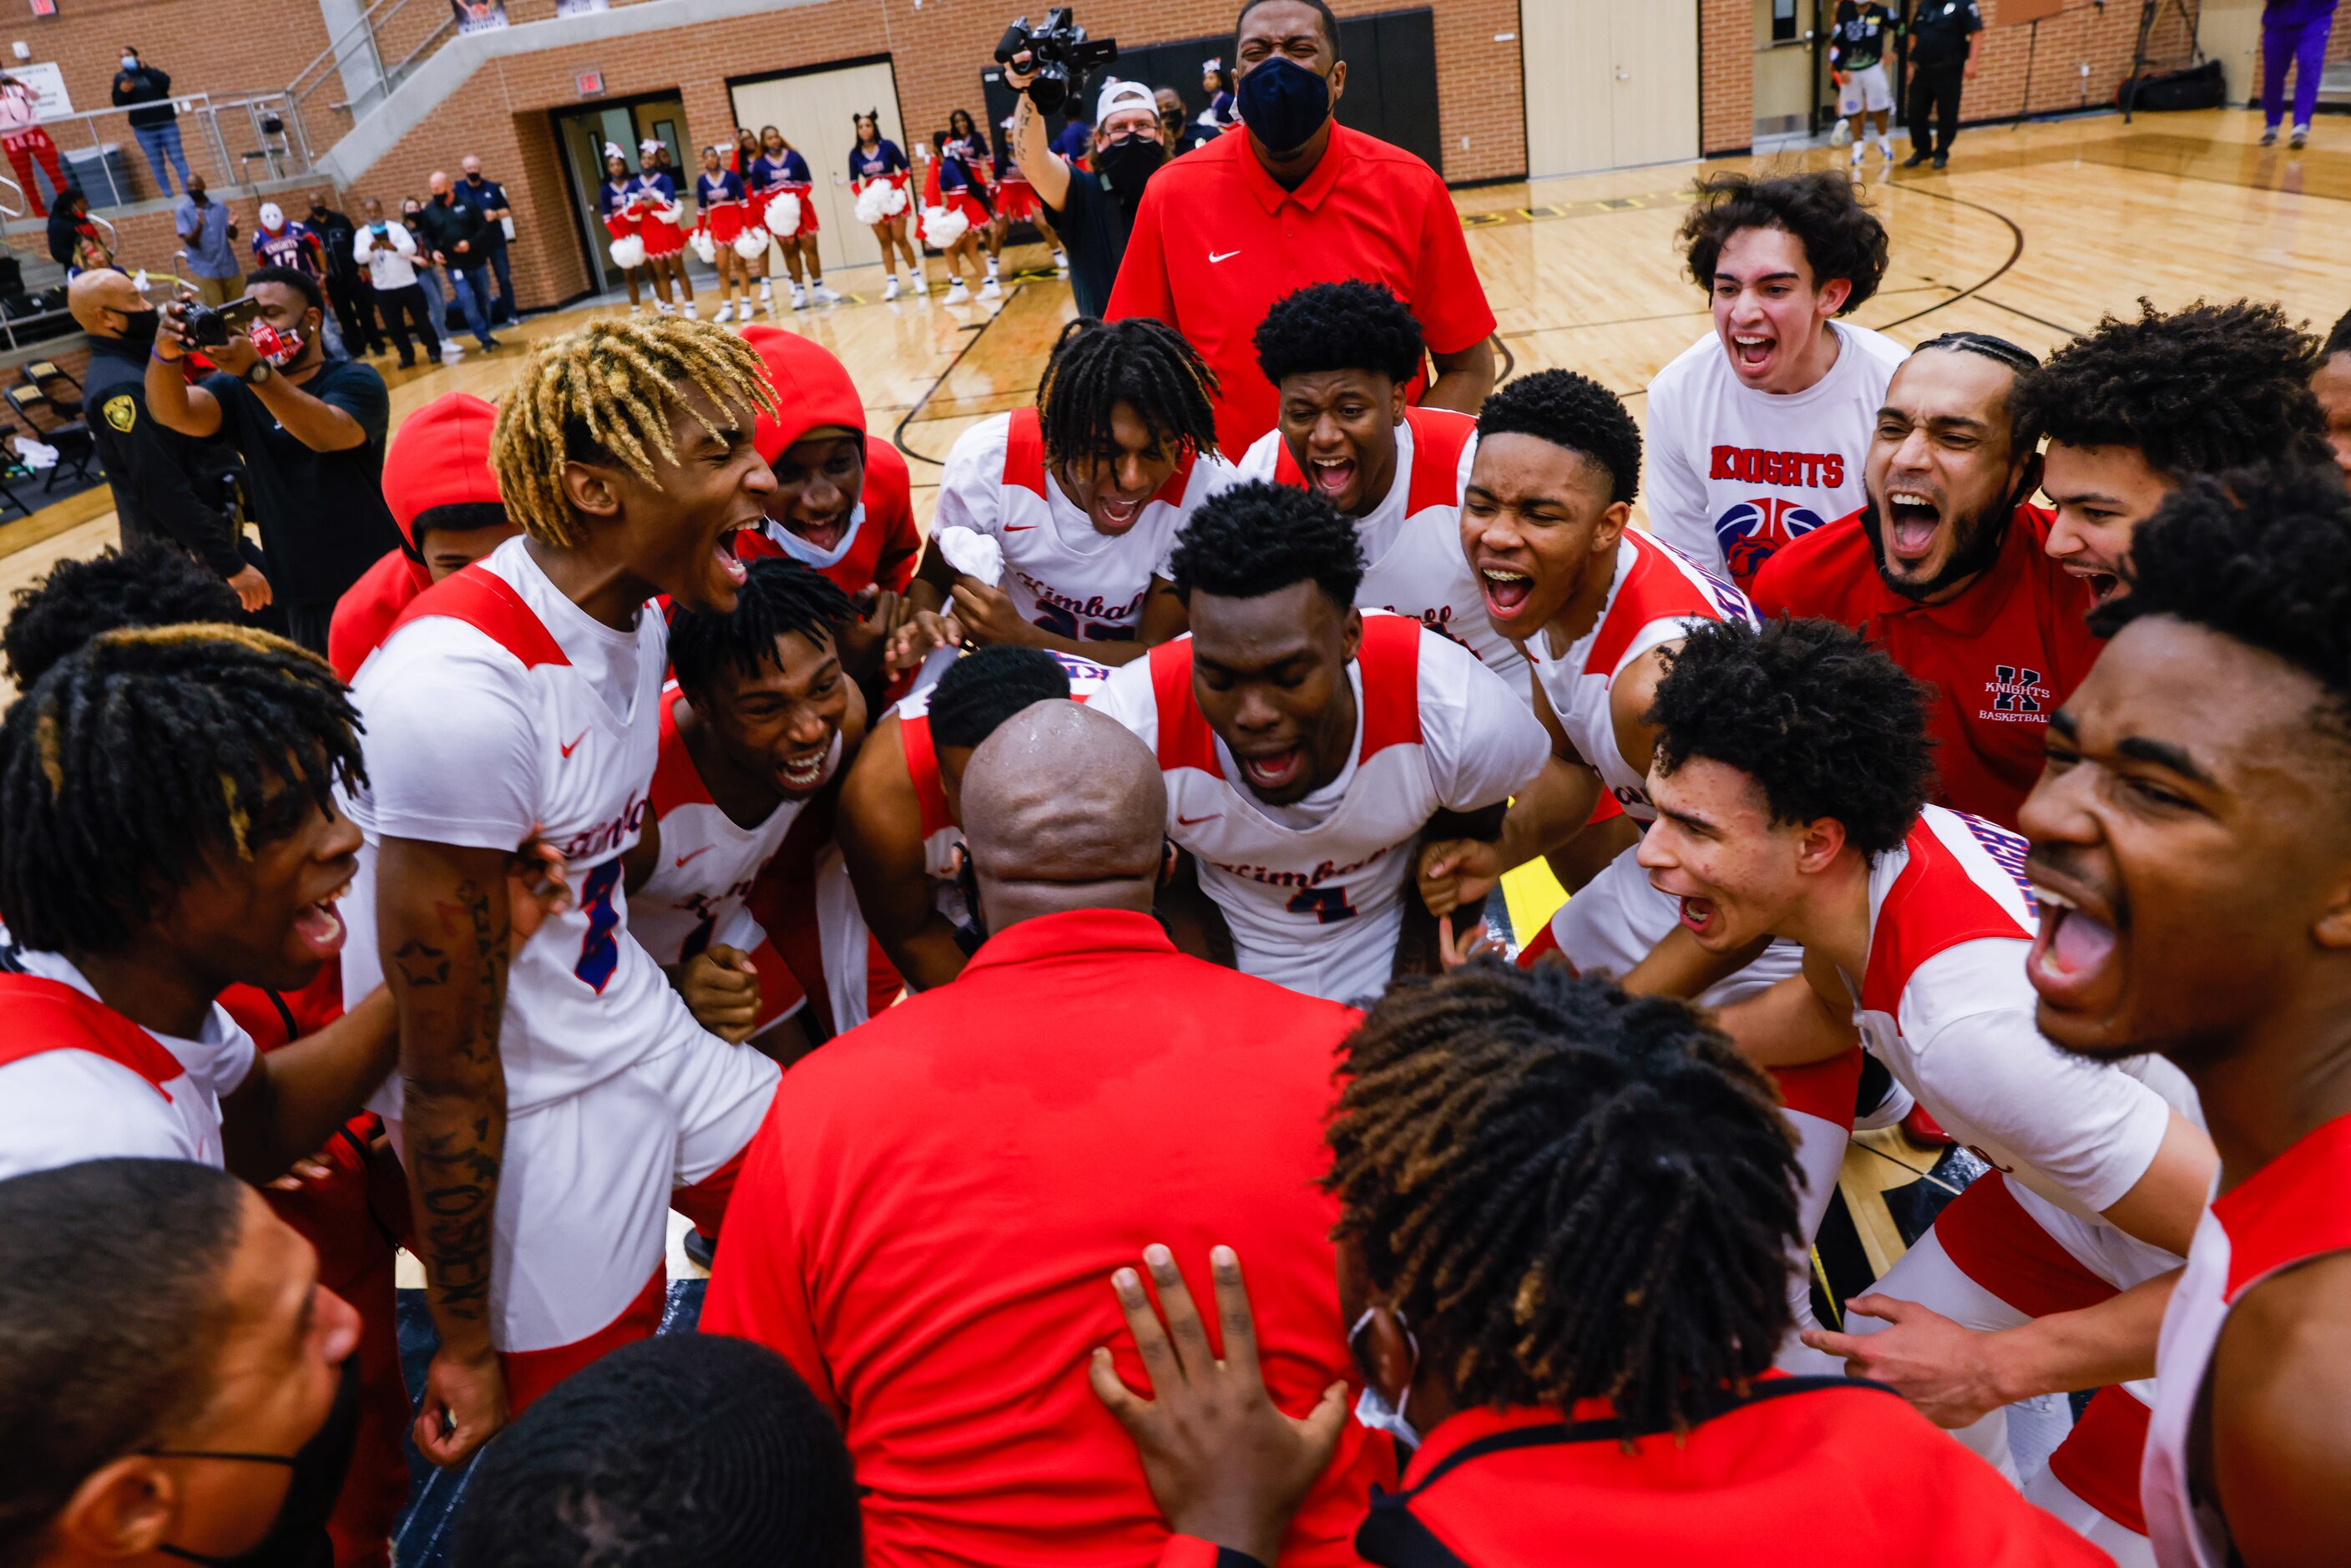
(815, 392)
(441, 457)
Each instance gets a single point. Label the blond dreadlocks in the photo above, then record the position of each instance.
(605, 392)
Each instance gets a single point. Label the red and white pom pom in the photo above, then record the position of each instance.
(879, 200)
(628, 252)
(672, 214)
(703, 246)
(751, 243)
(942, 226)
(783, 213)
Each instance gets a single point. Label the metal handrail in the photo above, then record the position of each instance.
(206, 111)
(7, 210)
(366, 24)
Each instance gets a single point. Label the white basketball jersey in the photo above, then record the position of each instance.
(1317, 909)
(1412, 539)
(1059, 571)
(708, 861)
(477, 656)
(1657, 596)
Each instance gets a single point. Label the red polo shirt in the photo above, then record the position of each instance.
(1216, 241)
(2000, 657)
(928, 1224)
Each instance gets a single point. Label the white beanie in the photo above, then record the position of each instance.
(1117, 95)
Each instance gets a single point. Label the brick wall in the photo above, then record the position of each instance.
(2083, 34)
(1726, 45)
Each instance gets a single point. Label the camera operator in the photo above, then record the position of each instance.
(1092, 210)
(311, 430)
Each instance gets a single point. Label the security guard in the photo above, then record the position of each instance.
(1942, 54)
(160, 480)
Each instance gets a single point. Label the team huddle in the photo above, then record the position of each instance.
(645, 771)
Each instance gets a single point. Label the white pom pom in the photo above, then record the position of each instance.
(672, 215)
(894, 200)
(784, 214)
(870, 209)
(751, 243)
(703, 246)
(942, 226)
(629, 252)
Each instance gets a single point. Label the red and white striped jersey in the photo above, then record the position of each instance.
(1315, 895)
(1659, 595)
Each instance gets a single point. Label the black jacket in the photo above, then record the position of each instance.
(146, 85)
(165, 485)
(1941, 31)
(336, 234)
(443, 225)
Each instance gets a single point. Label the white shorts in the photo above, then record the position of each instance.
(584, 1194)
(1866, 90)
(1618, 919)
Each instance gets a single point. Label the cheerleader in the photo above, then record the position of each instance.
(877, 167)
(747, 156)
(616, 199)
(1017, 203)
(1220, 114)
(958, 191)
(653, 196)
(719, 196)
(783, 171)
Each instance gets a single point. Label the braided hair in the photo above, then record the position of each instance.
(152, 747)
(605, 393)
(146, 585)
(1147, 364)
(780, 597)
(1569, 1192)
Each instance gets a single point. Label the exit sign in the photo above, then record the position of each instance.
(45, 8)
(590, 84)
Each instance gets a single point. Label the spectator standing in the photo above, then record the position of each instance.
(1177, 129)
(208, 241)
(1076, 137)
(155, 123)
(2294, 32)
(453, 232)
(311, 430)
(1301, 199)
(159, 488)
(1217, 84)
(950, 1341)
(1942, 60)
(347, 288)
(428, 280)
(488, 198)
(388, 251)
(23, 140)
(75, 242)
(285, 242)
(1093, 209)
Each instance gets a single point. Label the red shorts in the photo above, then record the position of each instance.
(1017, 200)
(725, 222)
(662, 236)
(968, 204)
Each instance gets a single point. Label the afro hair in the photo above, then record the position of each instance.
(1350, 326)
(1257, 538)
(1813, 711)
(146, 585)
(988, 685)
(2261, 556)
(1841, 237)
(1574, 412)
(2196, 391)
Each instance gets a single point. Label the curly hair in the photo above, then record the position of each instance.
(1144, 364)
(780, 597)
(988, 685)
(1574, 412)
(1350, 326)
(2339, 339)
(146, 585)
(1817, 713)
(1569, 1192)
(2261, 556)
(1260, 538)
(2196, 391)
(1841, 239)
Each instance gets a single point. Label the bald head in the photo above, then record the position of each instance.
(101, 299)
(1062, 809)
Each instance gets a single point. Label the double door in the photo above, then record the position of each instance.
(1609, 84)
(816, 111)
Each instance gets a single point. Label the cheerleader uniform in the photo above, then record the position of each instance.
(883, 162)
(957, 180)
(620, 219)
(788, 172)
(1016, 198)
(654, 197)
(721, 200)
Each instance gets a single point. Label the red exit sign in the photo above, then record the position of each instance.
(45, 8)
(590, 84)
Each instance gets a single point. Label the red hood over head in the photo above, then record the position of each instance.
(812, 387)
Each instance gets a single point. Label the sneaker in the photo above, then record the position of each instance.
(1942, 160)
(451, 353)
(2269, 135)
(799, 298)
(819, 294)
(636, 309)
(1859, 148)
(409, 363)
(991, 289)
(690, 313)
(489, 343)
(2300, 139)
(957, 293)
(725, 313)
(1885, 147)
(665, 307)
(890, 290)
(1061, 261)
(766, 294)
(1840, 133)
(1914, 160)
(700, 1251)
(991, 269)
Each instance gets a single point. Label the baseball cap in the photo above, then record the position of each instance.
(1118, 95)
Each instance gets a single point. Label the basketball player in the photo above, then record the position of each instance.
(2134, 408)
(1083, 493)
(2331, 382)
(1307, 746)
(550, 1102)
(1790, 786)
(1340, 356)
(898, 802)
(2191, 851)
(1756, 431)
(1857, 64)
(761, 719)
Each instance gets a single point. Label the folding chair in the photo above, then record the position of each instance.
(41, 373)
(75, 446)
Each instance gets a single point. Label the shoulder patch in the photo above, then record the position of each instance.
(121, 412)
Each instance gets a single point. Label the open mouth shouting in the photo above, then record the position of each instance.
(1114, 516)
(2103, 580)
(730, 565)
(824, 533)
(1273, 772)
(1333, 478)
(802, 772)
(2074, 964)
(1750, 353)
(1702, 917)
(1912, 519)
(319, 926)
(1506, 588)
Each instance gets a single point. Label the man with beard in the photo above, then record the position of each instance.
(1946, 568)
(2191, 855)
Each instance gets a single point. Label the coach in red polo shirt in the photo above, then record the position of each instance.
(1945, 569)
(1293, 199)
(924, 1227)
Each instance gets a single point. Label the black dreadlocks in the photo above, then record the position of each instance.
(984, 688)
(1569, 1192)
(147, 749)
(780, 596)
(1260, 538)
(146, 585)
(1145, 364)
(1350, 326)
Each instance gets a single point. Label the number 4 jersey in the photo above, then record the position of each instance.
(1314, 891)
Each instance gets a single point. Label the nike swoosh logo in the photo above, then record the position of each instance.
(575, 741)
(1018, 528)
(1188, 822)
(691, 853)
(1213, 257)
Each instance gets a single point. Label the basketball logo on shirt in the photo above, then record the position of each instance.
(2018, 690)
(1752, 531)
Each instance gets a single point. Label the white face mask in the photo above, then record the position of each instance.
(131, 62)
(1372, 1407)
(273, 216)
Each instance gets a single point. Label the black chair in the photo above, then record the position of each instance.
(42, 375)
(75, 446)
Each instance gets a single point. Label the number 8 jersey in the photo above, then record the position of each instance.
(1314, 895)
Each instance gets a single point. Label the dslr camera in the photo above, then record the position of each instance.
(209, 326)
(1060, 56)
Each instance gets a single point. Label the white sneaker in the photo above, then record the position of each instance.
(820, 293)
(1859, 148)
(799, 298)
(991, 268)
(1886, 146)
(766, 294)
(890, 290)
(451, 353)
(690, 314)
(665, 306)
(991, 289)
(957, 293)
(726, 313)
(2301, 137)
(1841, 133)
(636, 309)
(1061, 261)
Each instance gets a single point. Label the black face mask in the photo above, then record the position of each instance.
(1284, 104)
(297, 1536)
(139, 328)
(1128, 163)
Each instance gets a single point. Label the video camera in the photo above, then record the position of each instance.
(209, 326)
(1060, 56)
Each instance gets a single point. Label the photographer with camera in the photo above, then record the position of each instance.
(310, 428)
(1091, 209)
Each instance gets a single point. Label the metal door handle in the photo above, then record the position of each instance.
(1624, 75)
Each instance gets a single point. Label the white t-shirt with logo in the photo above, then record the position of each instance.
(1735, 473)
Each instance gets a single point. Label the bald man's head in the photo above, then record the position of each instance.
(1062, 809)
(103, 299)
